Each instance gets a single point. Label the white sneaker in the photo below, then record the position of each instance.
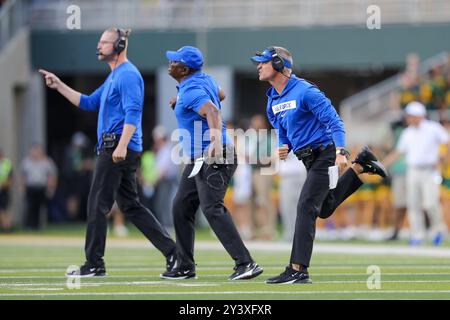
(121, 231)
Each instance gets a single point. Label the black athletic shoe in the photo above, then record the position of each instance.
(394, 237)
(246, 271)
(178, 274)
(171, 262)
(370, 163)
(291, 276)
(88, 270)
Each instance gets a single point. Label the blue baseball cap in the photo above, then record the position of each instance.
(265, 56)
(189, 56)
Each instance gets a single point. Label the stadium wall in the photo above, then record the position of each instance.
(313, 48)
(22, 113)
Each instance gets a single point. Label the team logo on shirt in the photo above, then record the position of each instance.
(292, 104)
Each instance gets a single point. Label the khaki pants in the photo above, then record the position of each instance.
(265, 214)
(422, 192)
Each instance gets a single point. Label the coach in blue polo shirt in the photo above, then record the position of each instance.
(308, 124)
(197, 109)
(119, 102)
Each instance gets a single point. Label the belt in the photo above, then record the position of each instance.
(109, 141)
(311, 150)
(229, 154)
(309, 154)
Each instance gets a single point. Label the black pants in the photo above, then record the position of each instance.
(317, 200)
(36, 199)
(117, 181)
(4, 199)
(207, 190)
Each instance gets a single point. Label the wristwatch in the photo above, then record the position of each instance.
(343, 152)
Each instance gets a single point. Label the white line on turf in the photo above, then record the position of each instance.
(40, 289)
(199, 284)
(224, 276)
(338, 248)
(115, 269)
(207, 293)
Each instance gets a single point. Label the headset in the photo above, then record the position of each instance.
(120, 44)
(277, 61)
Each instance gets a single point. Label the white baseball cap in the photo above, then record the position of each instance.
(415, 109)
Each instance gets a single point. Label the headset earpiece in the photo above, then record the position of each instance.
(277, 61)
(120, 43)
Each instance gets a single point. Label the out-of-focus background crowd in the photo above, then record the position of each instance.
(47, 147)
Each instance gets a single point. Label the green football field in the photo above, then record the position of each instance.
(33, 267)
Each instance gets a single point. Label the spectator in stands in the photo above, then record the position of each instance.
(260, 153)
(5, 187)
(398, 183)
(420, 143)
(147, 177)
(242, 186)
(167, 175)
(446, 178)
(408, 90)
(412, 66)
(39, 177)
(77, 175)
(446, 103)
(432, 91)
(292, 178)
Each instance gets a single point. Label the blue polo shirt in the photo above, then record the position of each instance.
(193, 93)
(119, 101)
(304, 116)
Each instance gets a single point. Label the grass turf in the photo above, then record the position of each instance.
(31, 269)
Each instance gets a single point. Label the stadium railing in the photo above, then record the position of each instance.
(194, 14)
(369, 113)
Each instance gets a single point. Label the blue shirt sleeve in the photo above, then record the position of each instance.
(132, 93)
(322, 108)
(282, 133)
(92, 102)
(195, 97)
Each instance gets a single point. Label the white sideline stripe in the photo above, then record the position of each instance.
(296, 293)
(200, 284)
(96, 284)
(363, 273)
(41, 289)
(359, 249)
(202, 269)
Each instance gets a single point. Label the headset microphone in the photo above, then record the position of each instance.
(99, 53)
